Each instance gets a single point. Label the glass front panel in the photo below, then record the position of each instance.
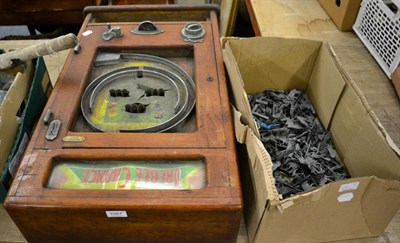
(128, 175)
(140, 91)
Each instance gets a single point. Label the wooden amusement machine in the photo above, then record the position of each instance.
(137, 141)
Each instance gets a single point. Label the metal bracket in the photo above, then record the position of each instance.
(147, 28)
(47, 117)
(77, 48)
(52, 131)
(193, 32)
(111, 32)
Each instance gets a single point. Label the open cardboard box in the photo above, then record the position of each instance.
(10, 109)
(354, 208)
(19, 112)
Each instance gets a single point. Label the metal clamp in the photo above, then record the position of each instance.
(111, 32)
(147, 28)
(193, 32)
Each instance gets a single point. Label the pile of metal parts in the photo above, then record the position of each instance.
(301, 149)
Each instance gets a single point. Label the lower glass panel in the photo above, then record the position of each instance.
(128, 175)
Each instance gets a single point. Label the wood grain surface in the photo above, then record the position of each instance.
(211, 213)
(43, 12)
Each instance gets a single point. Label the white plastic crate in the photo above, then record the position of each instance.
(378, 27)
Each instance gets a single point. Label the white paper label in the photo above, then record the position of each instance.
(87, 32)
(349, 186)
(346, 197)
(116, 214)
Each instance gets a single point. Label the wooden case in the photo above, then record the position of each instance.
(210, 213)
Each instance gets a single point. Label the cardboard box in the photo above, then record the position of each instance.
(10, 111)
(19, 113)
(342, 12)
(396, 80)
(354, 208)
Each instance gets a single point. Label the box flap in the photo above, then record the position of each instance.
(260, 185)
(362, 100)
(315, 215)
(261, 163)
(380, 203)
(240, 129)
(266, 62)
(239, 97)
(326, 85)
(225, 39)
(359, 142)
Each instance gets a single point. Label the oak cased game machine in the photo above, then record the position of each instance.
(136, 142)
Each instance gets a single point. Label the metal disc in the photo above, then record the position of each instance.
(164, 110)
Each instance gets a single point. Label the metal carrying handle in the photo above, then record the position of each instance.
(147, 28)
(158, 13)
(150, 8)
